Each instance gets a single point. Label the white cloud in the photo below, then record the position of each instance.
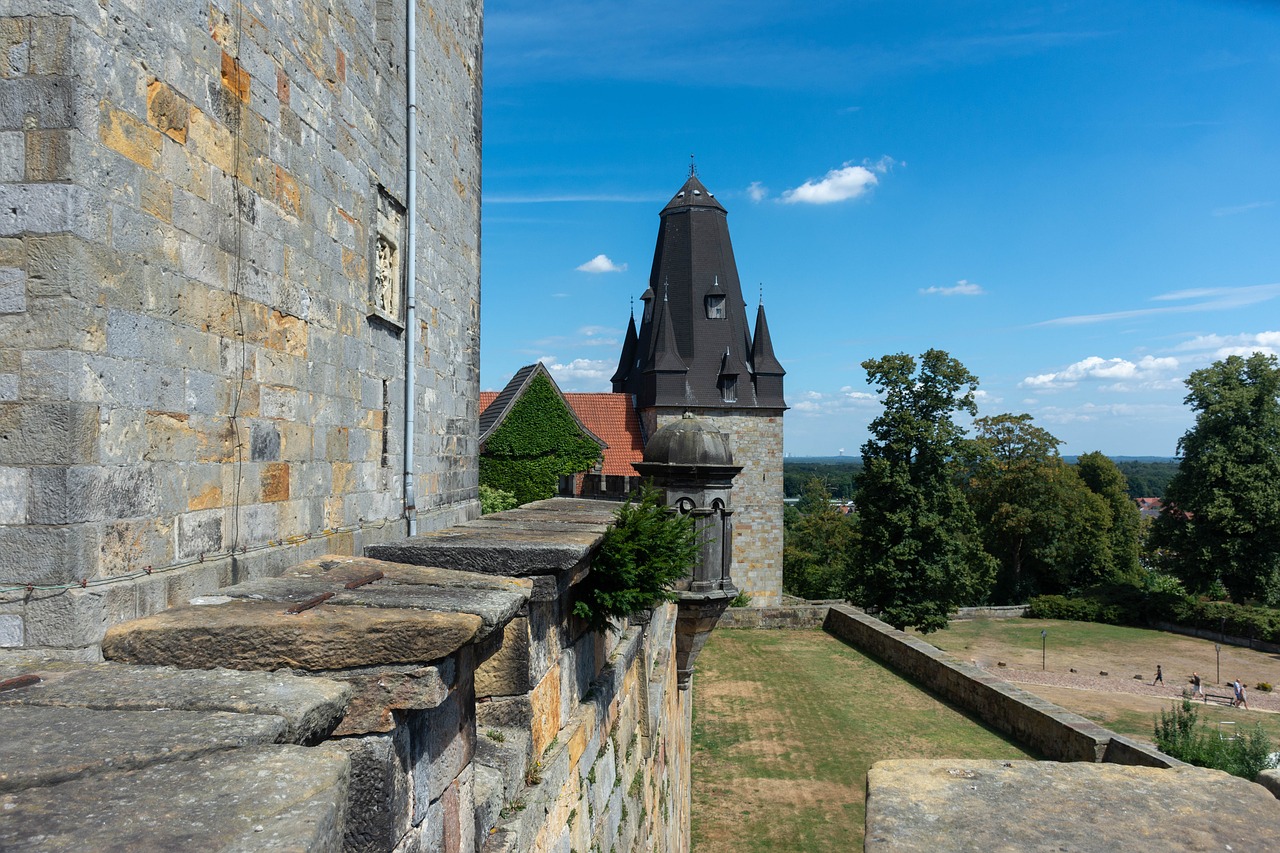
(757, 191)
(961, 288)
(1241, 208)
(598, 336)
(845, 400)
(1148, 372)
(1205, 299)
(600, 263)
(581, 374)
(849, 181)
(1220, 346)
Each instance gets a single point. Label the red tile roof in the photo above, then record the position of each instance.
(613, 418)
(610, 416)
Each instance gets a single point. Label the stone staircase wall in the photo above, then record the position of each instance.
(440, 696)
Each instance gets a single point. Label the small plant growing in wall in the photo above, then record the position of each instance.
(647, 550)
(495, 500)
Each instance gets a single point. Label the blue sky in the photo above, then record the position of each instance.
(1078, 200)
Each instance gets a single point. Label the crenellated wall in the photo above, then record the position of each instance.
(443, 700)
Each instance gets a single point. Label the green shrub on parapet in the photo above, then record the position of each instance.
(648, 548)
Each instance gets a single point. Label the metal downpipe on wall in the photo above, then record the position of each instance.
(411, 264)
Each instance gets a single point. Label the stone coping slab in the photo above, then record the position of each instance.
(47, 746)
(344, 569)
(271, 798)
(260, 635)
(495, 607)
(517, 551)
(991, 806)
(309, 707)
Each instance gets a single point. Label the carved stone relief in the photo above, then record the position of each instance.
(386, 286)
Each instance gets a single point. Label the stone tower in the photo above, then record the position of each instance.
(694, 352)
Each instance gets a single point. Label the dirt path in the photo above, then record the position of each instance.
(1258, 701)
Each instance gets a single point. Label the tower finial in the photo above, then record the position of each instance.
(633, 306)
(693, 167)
(762, 293)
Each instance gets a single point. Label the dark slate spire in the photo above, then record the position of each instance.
(768, 370)
(627, 361)
(664, 370)
(694, 284)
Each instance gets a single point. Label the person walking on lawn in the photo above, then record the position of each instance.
(1159, 676)
(1196, 689)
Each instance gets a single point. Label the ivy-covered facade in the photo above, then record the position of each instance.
(530, 438)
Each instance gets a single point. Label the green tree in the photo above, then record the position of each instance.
(919, 554)
(1038, 518)
(1105, 479)
(1221, 522)
(649, 547)
(817, 543)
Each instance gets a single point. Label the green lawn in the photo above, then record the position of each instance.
(786, 724)
(1122, 652)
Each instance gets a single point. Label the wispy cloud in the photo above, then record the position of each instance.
(599, 264)
(1220, 346)
(1241, 208)
(1199, 299)
(598, 336)
(1148, 372)
(849, 181)
(580, 374)
(962, 287)
(757, 191)
(847, 399)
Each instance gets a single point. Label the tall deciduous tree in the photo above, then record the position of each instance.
(1106, 480)
(919, 554)
(1221, 521)
(818, 541)
(1039, 519)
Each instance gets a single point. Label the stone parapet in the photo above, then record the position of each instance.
(955, 805)
(1045, 728)
(443, 710)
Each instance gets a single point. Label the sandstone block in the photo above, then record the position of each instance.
(45, 746)
(309, 707)
(260, 635)
(268, 798)
(1026, 805)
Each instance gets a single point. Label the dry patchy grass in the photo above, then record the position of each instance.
(786, 724)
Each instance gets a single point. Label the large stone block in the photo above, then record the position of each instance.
(49, 745)
(308, 707)
(260, 635)
(1026, 805)
(265, 798)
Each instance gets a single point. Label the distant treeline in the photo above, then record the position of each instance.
(1147, 478)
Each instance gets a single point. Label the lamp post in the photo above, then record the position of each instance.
(1044, 646)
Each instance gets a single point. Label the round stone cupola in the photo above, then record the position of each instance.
(688, 443)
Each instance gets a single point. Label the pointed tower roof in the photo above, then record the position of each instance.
(664, 356)
(762, 357)
(628, 357)
(694, 314)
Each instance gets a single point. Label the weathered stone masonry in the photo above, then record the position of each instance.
(415, 708)
(197, 352)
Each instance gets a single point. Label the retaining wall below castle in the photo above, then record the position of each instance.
(1055, 733)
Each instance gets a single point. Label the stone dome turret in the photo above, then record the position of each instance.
(688, 442)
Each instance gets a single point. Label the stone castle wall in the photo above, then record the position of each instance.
(201, 320)
(416, 708)
(755, 439)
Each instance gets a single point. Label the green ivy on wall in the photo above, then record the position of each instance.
(538, 442)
